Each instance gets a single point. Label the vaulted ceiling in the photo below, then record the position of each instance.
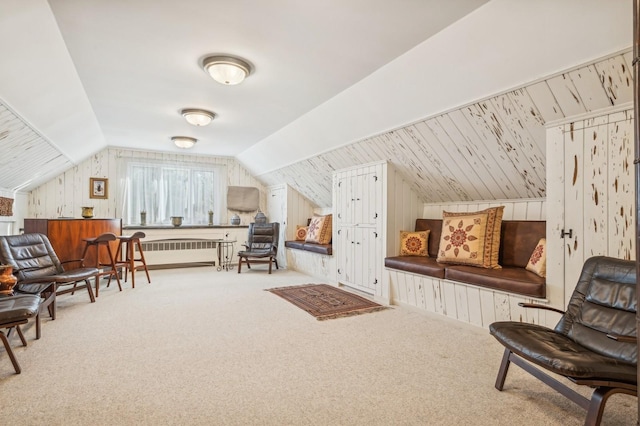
(454, 94)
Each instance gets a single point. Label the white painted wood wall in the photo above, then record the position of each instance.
(472, 304)
(490, 149)
(68, 192)
(591, 191)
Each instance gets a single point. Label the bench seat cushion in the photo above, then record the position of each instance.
(416, 264)
(509, 278)
(312, 247)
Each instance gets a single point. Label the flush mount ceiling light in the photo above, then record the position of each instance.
(184, 142)
(226, 69)
(197, 117)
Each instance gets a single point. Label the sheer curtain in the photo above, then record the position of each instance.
(164, 189)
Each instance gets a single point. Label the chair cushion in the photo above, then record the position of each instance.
(558, 353)
(71, 276)
(18, 308)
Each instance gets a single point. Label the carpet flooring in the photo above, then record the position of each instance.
(324, 301)
(200, 347)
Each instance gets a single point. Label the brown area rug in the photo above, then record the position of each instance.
(324, 301)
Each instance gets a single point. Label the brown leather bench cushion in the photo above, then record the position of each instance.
(510, 278)
(312, 247)
(417, 264)
(518, 239)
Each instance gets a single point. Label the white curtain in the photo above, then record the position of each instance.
(164, 189)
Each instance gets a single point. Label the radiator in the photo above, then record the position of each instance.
(179, 251)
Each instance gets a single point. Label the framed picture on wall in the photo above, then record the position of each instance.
(98, 188)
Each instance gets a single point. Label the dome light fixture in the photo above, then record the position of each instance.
(226, 69)
(197, 117)
(184, 142)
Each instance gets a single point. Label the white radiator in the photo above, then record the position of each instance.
(179, 251)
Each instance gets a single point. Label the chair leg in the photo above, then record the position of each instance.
(12, 357)
(89, 290)
(276, 261)
(598, 400)
(239, 264)
(270, 263)
(143, 260)
(504, 368)
(131, 263)
(114, 271)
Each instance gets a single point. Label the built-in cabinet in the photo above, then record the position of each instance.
(372, 204)
(590, 195)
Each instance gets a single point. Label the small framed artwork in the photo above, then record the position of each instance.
(98, 188)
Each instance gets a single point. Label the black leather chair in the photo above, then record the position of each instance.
(34, 261)
(262, 245)
(593, 344)
(14, 312)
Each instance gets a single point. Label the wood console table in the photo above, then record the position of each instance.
(66, 236)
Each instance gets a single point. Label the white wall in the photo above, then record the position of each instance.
(67, 193)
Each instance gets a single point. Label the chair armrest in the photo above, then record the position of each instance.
(537, 306)
(625, 339)
(72, 261)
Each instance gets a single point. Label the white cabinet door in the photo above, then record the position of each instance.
(277, 209)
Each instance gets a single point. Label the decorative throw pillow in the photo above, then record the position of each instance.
(319, 230)
(471, 238)
(414, 243)
(538, 260)
(301, 232)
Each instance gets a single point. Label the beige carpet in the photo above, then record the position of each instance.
(200, 347)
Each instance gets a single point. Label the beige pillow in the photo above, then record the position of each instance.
(301, 232)
(471, 238)
(319, 230)
(414, 243)
(538, 260)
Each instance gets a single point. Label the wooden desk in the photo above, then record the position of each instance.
(66, 236)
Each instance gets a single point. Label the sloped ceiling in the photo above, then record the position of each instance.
(491, 149)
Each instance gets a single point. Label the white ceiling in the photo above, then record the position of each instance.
(90, 74)
(139, 62)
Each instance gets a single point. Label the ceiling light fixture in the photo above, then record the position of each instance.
(197, 117)
(184, 142)
(226, 69)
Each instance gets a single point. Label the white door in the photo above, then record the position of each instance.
(277, 212)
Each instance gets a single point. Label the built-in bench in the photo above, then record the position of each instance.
(518, 240)
(312, 247)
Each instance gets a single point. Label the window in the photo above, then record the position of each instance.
(164, 190)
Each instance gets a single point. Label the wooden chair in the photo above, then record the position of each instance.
(262, 245)
(594, 343)
(102, 240)
(14, 312)
(126, 247)
(34, 261)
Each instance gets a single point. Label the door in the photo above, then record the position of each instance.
(277, 212)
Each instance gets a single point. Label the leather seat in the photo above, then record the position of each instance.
(593, 344)
(14, 312)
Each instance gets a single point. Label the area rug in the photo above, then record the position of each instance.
(324, 301)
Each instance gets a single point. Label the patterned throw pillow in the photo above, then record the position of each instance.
(471, 238)
(538, 260)
(301, 232)
(319, 230)
(414, 243)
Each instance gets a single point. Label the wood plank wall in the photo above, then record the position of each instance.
(68, 192)
(591, 193)
(489, 150)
